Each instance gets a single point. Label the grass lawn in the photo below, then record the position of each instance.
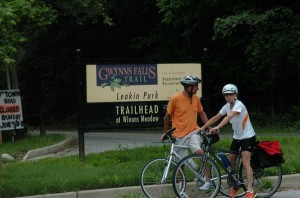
(103, 170)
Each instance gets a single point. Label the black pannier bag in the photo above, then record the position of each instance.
(213, 139)
(267, 154)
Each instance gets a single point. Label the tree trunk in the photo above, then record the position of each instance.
(13, 77)
(42, 126)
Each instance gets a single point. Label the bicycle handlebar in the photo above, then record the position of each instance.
(208, 138)
(168, 134)
(171, 130)
(205, 132)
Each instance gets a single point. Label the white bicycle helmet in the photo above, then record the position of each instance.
(190, 80)
(229, 88)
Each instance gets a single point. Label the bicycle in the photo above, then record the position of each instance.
(156, 176)
(266, 181)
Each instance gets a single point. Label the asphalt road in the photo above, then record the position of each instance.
(103, 141)
(96, 142)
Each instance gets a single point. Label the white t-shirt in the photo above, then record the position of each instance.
(241, 124)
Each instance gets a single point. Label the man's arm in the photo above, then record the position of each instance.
(166, 122)
(166, 125)
(203, 117)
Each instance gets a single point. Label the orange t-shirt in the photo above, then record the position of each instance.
(184, 113)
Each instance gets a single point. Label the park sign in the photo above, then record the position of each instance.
(133, 95)
(10, 110)
(136, 83)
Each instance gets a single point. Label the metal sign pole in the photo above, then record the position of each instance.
(1, 138)
(204, 67)
(81, 106)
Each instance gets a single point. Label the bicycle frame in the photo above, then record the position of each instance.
(155, 176)
(262, 182)
(266, 180)
(170, 159)
(214, 152)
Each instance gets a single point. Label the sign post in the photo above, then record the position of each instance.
(81, 105)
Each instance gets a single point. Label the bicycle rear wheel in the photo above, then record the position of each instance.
(151, 179)
(194, 173)
(266, 181)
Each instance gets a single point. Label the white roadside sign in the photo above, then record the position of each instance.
(11, 116)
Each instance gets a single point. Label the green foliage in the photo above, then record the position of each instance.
(86, 11)
(269, 41)
(169, 8)
(252, 44)
(294, 115)
(184, 23)
(187, 12)
(18, 20)
(288, 120)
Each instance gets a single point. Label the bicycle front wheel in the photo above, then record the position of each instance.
(196, 170)
(152, 182)
(266, 181)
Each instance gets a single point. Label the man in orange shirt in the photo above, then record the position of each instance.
(183, 108)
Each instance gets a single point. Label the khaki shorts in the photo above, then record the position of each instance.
(192, 140)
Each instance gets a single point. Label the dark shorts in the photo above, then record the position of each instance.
(245, 145)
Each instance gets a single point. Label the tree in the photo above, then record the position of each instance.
(271, 47)
(251, 43)
(86, 11)
(19, 20)
(47, 80)
(28, 25)
(245, 41)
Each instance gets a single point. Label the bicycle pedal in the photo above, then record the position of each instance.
(239, 184)
(184, 195)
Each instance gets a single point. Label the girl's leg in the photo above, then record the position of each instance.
(246, 157)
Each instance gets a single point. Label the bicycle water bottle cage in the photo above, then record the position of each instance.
(224, 159)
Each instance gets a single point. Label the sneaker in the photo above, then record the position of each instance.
(250, 194)
(233, 192)
(206, 186)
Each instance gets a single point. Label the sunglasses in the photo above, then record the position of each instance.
(229, 94)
